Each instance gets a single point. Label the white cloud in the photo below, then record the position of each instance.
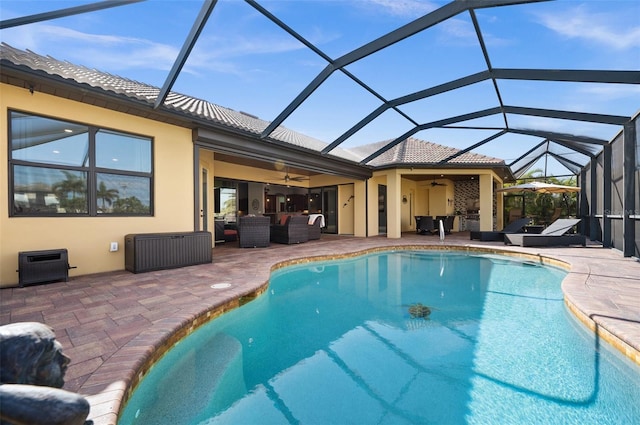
(406, 7)
(610, 92)
(603, 28)
(103, 51)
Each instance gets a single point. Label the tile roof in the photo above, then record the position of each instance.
(411, 151)
(146, 93)
(416, 151)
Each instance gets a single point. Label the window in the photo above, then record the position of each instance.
(63, 168)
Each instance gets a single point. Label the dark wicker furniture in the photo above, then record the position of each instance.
(514, 227)
(314, 229)
(295, 230)
(557, 233)
(447, 223)
(253, 231)
(425, 225)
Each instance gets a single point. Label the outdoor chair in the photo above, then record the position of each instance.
(294, 230)
(447, 222)
(514, 227)
(253, 231)
(424, 225)
(557, 234)
(314, 226)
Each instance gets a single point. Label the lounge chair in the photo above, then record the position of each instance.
(514, 227)
(554, 235)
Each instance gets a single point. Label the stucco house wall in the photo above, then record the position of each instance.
(88, 239)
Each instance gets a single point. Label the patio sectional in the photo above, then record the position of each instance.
(292, 229)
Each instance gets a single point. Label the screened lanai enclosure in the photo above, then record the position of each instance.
(551, 85)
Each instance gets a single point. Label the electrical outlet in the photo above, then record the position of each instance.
(114, 247)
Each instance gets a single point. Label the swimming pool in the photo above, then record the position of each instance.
(335, 343)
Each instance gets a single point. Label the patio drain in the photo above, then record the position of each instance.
(220, 285)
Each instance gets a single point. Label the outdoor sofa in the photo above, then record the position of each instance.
(314, 226)
(295, 229)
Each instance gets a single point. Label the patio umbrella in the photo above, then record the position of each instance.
(539, 187)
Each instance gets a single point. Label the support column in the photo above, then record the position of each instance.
(394, 202)
(606, 197)
(629, 200)
(583, 212)
(486, 202)
(594, 230)
(360, 208)
(372, 207)
(500, 210)
(196, 187)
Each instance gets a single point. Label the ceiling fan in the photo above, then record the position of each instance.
(434, 183)
(287, 178)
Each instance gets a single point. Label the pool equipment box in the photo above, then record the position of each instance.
(146, 252)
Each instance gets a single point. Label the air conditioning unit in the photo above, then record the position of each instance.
(43, 266)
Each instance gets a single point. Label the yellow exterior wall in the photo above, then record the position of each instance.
(346, 208)
(88, 238)
(360, 208)
(408, 206)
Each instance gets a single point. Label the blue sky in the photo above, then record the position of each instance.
(245, 62)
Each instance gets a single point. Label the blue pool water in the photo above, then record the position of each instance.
(334, 343)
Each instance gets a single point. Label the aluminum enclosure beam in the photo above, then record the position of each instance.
(630, 191)
(607, 190)
(594, 231)
(196, 29)
(568, 75)
(443, 13)
(63, 13)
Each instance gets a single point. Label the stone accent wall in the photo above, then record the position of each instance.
(463, 191)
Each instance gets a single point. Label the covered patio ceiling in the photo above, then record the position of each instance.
(522, 80)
